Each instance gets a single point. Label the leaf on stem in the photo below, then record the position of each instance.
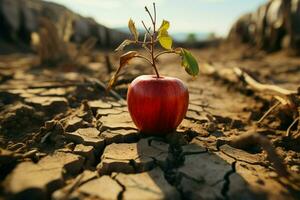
(124, 44)
(163, 36)
(165, 40)
(164, 25)
(124, 59)
(133, 29)
(189, 62)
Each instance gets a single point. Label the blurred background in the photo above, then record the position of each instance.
(269, 25)
(57, 58)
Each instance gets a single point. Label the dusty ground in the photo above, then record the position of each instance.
(61, 138)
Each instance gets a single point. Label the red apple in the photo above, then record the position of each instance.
(157, 105)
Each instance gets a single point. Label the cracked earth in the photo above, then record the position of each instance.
(62, 138)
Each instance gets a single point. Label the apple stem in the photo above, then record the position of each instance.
(152, 42)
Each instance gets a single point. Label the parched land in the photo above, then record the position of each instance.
(62, 137)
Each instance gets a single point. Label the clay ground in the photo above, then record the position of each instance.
(62, 138)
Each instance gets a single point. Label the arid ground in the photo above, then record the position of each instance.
(62, 137)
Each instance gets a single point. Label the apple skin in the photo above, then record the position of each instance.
(157, 105)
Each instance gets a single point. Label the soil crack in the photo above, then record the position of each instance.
(226, 185)
(120, 195)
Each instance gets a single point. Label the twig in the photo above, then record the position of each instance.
(152, 38)
(101, 85)
(262, 87)
(108, 63)
(163, 52)
(143, 57)
(154, 8)
(144, 43)
(239, 73)
(153, 22)
(282, 100)
(268, 112)
(288, 131)
(146, 29)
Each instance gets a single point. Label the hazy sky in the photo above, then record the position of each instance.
(184, 15)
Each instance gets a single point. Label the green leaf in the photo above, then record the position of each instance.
(189, 63)
(124, 44)
(164, 25)
(133, 30)
(164, 39)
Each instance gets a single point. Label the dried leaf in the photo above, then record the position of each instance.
(111, 82)
(133, 29)
(124, 59)
(124, 44)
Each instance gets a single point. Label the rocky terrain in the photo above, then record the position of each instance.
(20, 19)
(273, 26)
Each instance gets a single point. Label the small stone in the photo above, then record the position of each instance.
(103, 188)
(87, 136)
(132, 157)
(147, 185)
